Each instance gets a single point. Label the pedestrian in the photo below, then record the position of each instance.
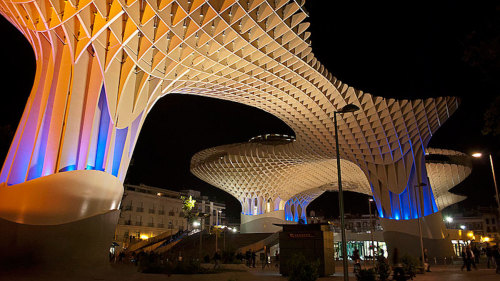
(489, 256)
(357, 260)
(477, 254)
(464, 258)
(427, 265)
(496, 255)
(265, 261)
(277, 255)
(469, 258)
(254, 255)
(248, 257)
(121, 256)
(217, 258)
(240, 257)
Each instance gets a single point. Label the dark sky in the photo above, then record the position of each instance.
(400, 49)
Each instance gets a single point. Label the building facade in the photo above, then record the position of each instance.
(148, 211)
(482, 222)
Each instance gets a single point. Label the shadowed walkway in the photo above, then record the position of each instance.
(238, 273)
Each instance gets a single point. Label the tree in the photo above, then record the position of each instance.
(187, 209)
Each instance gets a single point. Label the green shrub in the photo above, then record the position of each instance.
(300, 269)
(409, 265)
(366, 275)
(383, 269)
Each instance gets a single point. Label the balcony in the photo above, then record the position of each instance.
(138, 223)
(151, 211)
(161, 212)
(161, 225)
(150, 224)
(171, 213)
(139, 209)
(127, 222)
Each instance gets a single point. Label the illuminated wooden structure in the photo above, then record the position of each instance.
(102, 65)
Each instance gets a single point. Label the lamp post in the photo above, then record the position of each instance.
(202, 217)
(346, 109)
(479, 155)
(420, 212)
(197, 224)
(372, 229)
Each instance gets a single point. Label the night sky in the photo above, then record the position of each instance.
(399, 49)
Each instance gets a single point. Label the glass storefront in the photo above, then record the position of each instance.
(364, 247)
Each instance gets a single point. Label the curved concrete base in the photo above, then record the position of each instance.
(66, 247)
(263, 223)
(404, 235)
(60, 198)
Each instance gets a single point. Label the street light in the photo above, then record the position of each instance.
(420, 212)
(479, 155)
(346, 109)
(202, 217)
(449, 219)
(372, 229)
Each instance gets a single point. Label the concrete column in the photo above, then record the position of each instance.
(404, 235)
(212, 214)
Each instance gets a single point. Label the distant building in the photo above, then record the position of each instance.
(214, 211)
(483, 221)
(148, 211)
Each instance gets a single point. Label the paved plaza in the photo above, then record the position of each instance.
(238, 273)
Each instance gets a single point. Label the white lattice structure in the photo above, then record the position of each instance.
(102, 65)
(445, 172)
(267, 176)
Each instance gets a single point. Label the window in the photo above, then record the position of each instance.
(487, 221)
(140, 209)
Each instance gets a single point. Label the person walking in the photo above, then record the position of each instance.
(254, 255)
(469, 255)
(277, 255)
(248, 257)
(496, 255)
(357, 260)
(464, 258)
(477, 254)
(427, 264)
(265, 261)
(217, 258)
(489, 256)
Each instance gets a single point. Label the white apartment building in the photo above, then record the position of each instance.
(148, 211)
